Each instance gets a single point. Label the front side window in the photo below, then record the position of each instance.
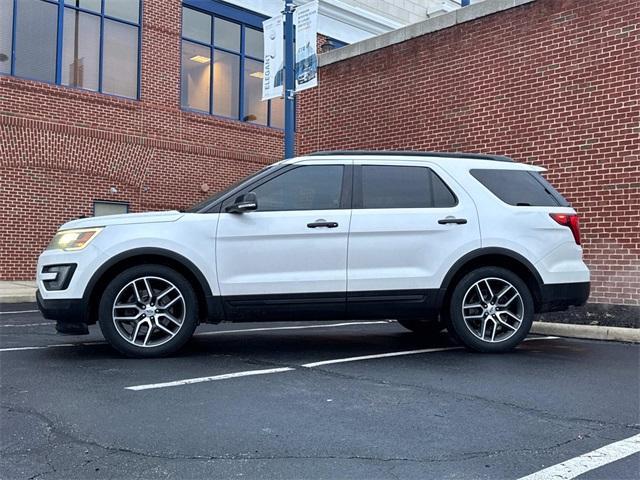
(88, 44)
(313, 187)
(404, 187)
(222, 69)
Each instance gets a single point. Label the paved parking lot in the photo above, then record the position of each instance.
(296, 400)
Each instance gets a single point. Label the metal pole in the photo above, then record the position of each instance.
(289, 82)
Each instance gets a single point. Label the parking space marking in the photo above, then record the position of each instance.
(225, 376)
(27, 324)
(19, 311)
(576, 466)
(379, 355)
(294, 327)
(218, 332)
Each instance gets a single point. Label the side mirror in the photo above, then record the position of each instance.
(244, 203)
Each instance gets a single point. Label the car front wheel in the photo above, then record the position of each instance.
(148, 311)
(491, 310)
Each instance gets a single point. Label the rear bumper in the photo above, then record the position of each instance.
(560, 296)
(69, 314)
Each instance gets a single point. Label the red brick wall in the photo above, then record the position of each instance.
(554, 82)
(62, 148)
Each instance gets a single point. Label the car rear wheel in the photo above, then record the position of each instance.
(491, 310)
(148, 311)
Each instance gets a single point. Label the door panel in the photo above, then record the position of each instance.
(407, 249)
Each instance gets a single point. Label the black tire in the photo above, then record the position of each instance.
(121, 283)
(423, 327)
(459, 327)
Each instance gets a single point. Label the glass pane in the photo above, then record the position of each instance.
(6, 26)
(226, 35)
(253, 43)
(519, 187)
(80, 49)
(226, 84)
(395, 187)
(442, 196)
(304, 188)
(196, 25)
(108, 208)
(196, 76)
(120, 59)
(36, 26)
(93, 5)
(255, 110)
(277, 113)
(124, 9)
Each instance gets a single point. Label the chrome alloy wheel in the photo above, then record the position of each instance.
(148, 311)
(492, 309)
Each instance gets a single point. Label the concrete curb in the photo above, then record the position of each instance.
(591, 332)
(19, 297)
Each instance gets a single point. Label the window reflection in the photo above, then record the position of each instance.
(196, 76)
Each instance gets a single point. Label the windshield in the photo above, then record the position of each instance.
(200, 206)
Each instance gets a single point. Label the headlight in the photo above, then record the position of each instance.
(77, 239)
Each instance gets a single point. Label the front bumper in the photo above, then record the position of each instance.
(70, 314)
(560, 296)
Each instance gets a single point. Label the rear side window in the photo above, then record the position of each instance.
(385, 186)
(520, 188)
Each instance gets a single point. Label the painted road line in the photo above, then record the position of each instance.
(19, 311)
(306, 365)
(379, 355)
(577, 466)
(57, 345)
(219, 332)
(295, 327)
(225, 376)
(27, 324)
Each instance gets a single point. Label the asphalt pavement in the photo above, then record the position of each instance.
(298, 400)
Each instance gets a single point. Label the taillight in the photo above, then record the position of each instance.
(569, 220)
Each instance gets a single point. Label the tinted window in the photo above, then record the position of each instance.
(303, 188)
(520, 187)
(35, 37)
(403, 187)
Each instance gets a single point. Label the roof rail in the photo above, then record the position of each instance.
(404, 153)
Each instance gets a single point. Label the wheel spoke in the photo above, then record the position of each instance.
(486, 282)
(473, 305)
(136, 331)
(127, 319)
(162, 294)
(171, 302)
(479, 292)
(149, 291)
(511, 315)
(484, 327)
(495, 327)
(171, 318)
(137, 292)
(146, 337)
(163, 328)
(506, 324)
(516, 295)
(503, 291)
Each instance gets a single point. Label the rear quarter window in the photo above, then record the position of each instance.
(522, 188)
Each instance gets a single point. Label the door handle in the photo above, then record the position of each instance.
(457, 221)
(322, 223)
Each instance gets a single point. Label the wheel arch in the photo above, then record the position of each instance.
(210, 308)
(493, 257)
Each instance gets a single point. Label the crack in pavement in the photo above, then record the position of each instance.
(467, 396)
(77, 440)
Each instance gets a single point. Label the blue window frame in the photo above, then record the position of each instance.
(88, 44)
(222, 63)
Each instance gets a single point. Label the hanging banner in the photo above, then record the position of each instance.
(305, 18)
(273, 79)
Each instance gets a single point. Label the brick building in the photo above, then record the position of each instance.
(112, 112)
(551, 82)
(130, 105)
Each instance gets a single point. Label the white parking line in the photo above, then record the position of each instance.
(225, 376)
(295, 327)
(380, 355)
(19, 311)
(218, 332)
(576, 466)
(27, 324)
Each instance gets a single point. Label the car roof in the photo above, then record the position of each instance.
(409, 153)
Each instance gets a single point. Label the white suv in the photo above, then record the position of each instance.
(473, 243)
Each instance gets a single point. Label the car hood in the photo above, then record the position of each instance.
(127, 218)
